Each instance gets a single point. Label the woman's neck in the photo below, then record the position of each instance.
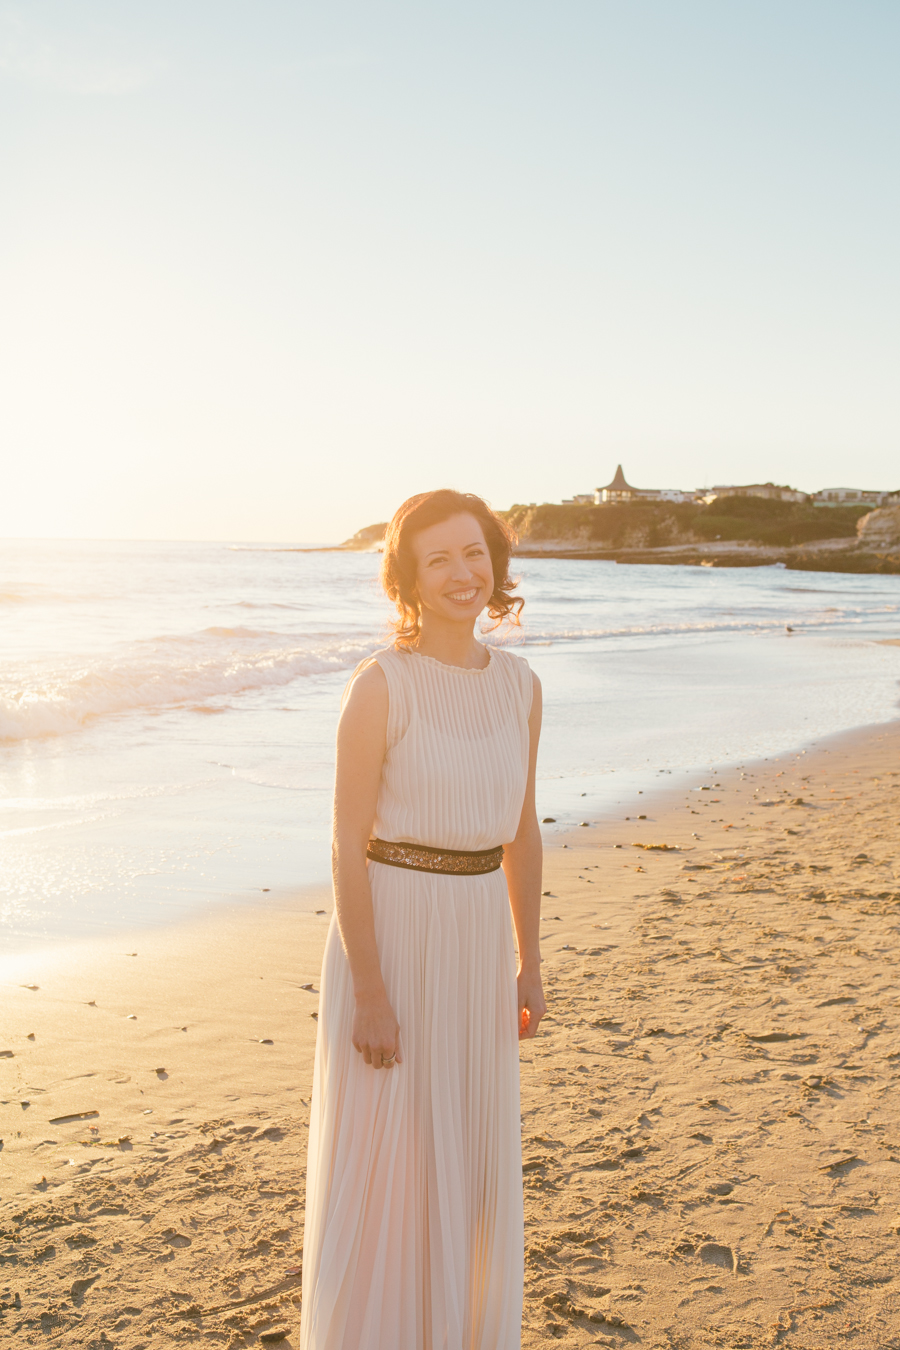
(453, 644)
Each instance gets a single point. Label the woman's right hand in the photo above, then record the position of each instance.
(376, 1032)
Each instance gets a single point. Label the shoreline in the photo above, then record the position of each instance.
(798, 559)
(305, 896)
(827, 555)
(839, 555)
(689, 1110)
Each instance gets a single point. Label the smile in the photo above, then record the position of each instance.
(463, 597)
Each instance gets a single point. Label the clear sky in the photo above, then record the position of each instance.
(267, 267)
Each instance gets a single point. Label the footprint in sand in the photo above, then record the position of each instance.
(80, 1288)
(717, 1254)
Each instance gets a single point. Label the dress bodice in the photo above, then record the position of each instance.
(456, 764)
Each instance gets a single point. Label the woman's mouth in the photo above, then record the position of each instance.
(463, 597)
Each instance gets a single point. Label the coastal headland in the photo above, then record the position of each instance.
(711, 1134)
(727, 532)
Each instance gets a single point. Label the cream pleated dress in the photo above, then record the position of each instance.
(414, 1234)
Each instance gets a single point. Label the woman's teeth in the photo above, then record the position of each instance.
(463, 596)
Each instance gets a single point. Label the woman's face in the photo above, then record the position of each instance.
(454, 574)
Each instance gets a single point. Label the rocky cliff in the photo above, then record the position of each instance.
(729, 532)
(881, 528)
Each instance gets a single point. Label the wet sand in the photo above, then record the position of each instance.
(711, 1136)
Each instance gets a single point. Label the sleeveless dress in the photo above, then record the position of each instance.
(414, 1223)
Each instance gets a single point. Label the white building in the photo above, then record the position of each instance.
(771, 491)
(844, 496)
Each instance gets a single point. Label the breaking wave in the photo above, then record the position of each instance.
(166, 673)
(202, 670)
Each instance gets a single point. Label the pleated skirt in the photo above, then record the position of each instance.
(414, 1228)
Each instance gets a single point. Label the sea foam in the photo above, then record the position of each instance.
(165, 672)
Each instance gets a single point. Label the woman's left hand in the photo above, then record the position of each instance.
(531, 1002)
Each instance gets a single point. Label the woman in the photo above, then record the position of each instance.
(413, 1235)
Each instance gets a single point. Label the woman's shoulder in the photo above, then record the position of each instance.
(392, 652)
(367, 684)
(381, 659)
(512, 662)
(390, 661)
(383, 690)
(382, 670)
(517, 671)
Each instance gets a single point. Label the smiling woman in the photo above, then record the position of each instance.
(447, 551)
(414, 1227)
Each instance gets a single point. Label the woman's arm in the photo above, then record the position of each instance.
(522, 865)
(361, 744)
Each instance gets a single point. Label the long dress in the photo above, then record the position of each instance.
(414, 1226)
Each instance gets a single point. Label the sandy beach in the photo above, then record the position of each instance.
(711, 1148)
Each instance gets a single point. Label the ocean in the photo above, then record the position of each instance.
(167, 711)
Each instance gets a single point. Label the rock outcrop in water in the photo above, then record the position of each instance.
(368, 539)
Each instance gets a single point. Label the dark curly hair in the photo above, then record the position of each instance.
(398, 565)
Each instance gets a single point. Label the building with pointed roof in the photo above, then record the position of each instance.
(619, 490)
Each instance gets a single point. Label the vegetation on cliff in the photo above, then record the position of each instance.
(658, 524)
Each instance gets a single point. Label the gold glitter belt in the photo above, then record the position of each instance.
(451, 861)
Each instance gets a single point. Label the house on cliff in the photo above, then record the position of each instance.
(844, 496)
(621, 491)
(771, 491)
